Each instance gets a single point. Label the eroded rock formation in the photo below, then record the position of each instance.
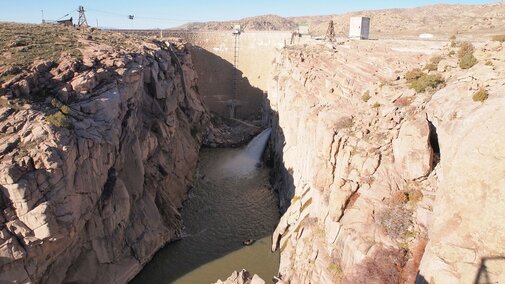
(92, 176)
(379, 181)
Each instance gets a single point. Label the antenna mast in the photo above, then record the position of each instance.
(82, 18)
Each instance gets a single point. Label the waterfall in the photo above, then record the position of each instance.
(257, 145)
(245, 161)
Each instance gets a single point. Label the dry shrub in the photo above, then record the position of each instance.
(395, 220)
(500, 38)
(481, 95)
(384, 266)
(399, 197)
(465, 55)
(465, 48)
(434, 61)
(366, 96)
(403, 101)
(431, 67)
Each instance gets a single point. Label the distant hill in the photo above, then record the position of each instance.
(440, 19)
(259, 23)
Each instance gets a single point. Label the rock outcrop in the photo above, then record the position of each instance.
(242, 277)
(92, 174)
(380, 182)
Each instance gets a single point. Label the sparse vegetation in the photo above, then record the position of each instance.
(376, 105)
(465, 54)
(395, 220)
(453, 41)
(500, 38)
(489, 63)
(366, 96)
(467, 61)
(4, 102)
(403, 101)
(295, 199)
(413, 74)
(452, 53)
(384, 266)
(335, 269)
(420, 81)
(59, 119)
(465, 48)
(434, 61)
(481, 95)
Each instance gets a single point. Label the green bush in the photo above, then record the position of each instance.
(481, 95)
(413, 74)
(59, 119)
(65, 109)
(467, 61)
(420, 81)
(500, 38)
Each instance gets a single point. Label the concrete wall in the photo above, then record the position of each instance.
(213, 54)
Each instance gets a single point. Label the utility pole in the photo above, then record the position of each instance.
(82, 18)
(330, 33)
(43, 21)
(236, 33)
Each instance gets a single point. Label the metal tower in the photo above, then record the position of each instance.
(330, 33)
(82, 18)
(236, 33)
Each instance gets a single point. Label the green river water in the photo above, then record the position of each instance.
(230, 202)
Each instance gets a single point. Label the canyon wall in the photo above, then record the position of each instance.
(213, 57)
(383, 184)
(92, 176)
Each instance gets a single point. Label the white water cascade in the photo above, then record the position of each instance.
(247, 160)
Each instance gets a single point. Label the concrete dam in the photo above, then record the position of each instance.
(213, 58)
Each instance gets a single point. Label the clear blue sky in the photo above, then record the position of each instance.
(164, 14)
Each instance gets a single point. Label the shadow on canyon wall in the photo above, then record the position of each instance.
(216, 85)
(484, 275)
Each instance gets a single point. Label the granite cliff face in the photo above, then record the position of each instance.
(92, 176)
(382, 184)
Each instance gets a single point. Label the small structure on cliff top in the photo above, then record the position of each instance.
(359, 28)
(66, 23)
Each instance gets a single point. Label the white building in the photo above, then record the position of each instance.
(359, 27)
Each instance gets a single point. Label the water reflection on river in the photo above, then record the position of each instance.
(230, 202)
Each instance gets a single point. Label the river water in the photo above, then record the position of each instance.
(230, 202)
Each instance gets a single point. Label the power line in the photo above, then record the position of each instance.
(141, 17)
